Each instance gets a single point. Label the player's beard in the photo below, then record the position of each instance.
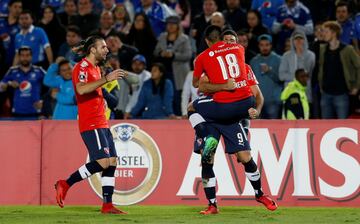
(100, 59)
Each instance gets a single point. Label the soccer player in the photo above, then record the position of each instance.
(232, 131)
(94, 128)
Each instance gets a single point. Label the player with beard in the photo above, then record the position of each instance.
(94, 128)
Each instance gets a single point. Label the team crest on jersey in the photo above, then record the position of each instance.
(211, 53)
(33, 76)
(82, 76)
(139, 165)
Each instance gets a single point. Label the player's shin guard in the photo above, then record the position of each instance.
(253, 174)
(209, 182)
(84, 172)
(108, 183)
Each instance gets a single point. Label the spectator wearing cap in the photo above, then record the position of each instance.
(298, 57)
(86, 20)
(235, 15)
(291, 16)
(138, 68)
(157, 13)
(34, 38)
(174, 51)
(268, 10)
(26, 80)
(266, 68)
(339, 73)
(122, 51)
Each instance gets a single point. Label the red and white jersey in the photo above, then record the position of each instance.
(250, 77)
(220, 62)
(91, 106)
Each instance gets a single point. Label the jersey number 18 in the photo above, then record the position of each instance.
(232, 66)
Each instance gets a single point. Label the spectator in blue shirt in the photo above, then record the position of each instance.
(73, 38)
(156, 96)
(26, 80)
(9, 27)
(59, 77)
(357, 30)
(266, 68)
(56, 4)
(292, 15)
(347, 25)
(4, 8)
(34, 38)
(267, 9)
(157, 13)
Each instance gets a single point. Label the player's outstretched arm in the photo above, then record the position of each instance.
(84, 88)
(207, 87)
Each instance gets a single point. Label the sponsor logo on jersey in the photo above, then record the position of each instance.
(84, 64)
(139, 165)
(25, 87)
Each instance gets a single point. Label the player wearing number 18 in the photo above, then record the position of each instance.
(220, 62)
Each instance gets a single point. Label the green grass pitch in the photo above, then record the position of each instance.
(176, 214)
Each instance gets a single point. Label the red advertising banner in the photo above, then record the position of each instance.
(307, 163)
(20, 146)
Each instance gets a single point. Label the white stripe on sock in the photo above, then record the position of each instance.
(84, 172)
(108, 181)
(253, 176)
(211, 182)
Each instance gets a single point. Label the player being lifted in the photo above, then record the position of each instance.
(220, 113)
(94, 128)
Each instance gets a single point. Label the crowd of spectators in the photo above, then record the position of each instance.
(157, 41)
